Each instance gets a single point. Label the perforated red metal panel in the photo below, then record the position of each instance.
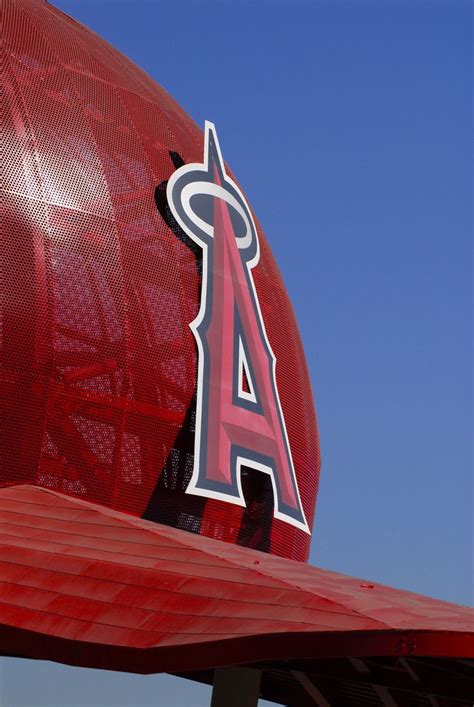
(98, 363)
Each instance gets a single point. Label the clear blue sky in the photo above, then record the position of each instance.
(348, 125)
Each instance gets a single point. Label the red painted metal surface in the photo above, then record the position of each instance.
(98, 363)
(97, 410)
(87, 585)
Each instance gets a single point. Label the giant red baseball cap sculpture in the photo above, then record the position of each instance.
(159, 460)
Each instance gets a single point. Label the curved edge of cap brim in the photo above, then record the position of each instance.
(87, 586)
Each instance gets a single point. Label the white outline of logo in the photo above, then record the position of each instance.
(199, 188)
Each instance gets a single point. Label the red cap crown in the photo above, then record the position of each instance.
(102, 281)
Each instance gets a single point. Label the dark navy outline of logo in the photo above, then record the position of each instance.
(196, 180)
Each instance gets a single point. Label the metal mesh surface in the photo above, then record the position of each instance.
(98, 363)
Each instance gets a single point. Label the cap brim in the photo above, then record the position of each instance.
(87, 586)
